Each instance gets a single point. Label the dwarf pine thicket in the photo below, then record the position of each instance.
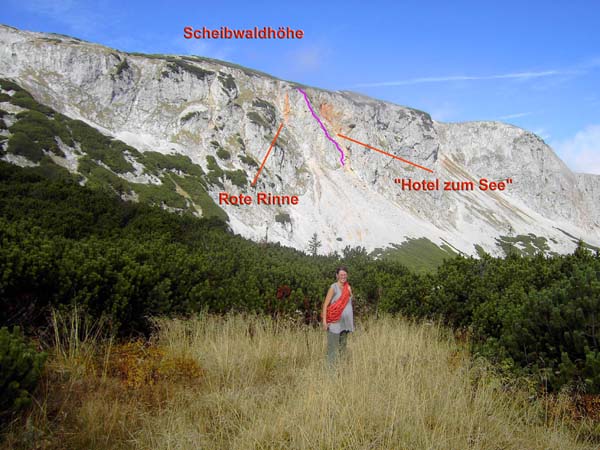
(64, 244)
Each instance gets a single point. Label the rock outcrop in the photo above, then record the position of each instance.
(200, 107)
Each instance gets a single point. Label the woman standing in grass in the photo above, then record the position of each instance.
(337, 315)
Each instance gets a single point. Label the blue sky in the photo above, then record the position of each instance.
(533, 64)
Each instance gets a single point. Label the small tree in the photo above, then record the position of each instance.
(314, 244)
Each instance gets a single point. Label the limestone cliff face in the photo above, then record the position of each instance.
(197, 106)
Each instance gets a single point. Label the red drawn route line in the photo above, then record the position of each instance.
(385, 153)
(267, 155)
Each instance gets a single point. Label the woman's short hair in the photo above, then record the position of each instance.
(339, 269)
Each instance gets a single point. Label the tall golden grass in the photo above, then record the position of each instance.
(249, 382)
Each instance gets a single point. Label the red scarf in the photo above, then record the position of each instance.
(334, 311)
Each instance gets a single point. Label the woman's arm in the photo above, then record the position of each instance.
(325, 305)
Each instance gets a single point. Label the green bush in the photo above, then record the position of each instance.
(248, 160)
(25, 100)
(38, 128)
(196, 188)
(189, 116)
(283, 218)
(42, 130)
(164, 194)
(102, 148)
(122, 67)
(227, 82)
(64, 243)
(20, 144)
(20, 368)
(257, 119)
(237, 177)
(214, 171)
(175, 65)
(156, 162)
(9, 85)
(268, 109)
(223, 154)
(101, 178)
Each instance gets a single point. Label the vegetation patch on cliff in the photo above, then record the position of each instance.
(420, 254)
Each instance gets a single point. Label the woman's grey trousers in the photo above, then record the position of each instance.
(336, 345)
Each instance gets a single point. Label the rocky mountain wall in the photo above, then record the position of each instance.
(200, 107)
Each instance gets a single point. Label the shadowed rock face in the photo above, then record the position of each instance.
(200, 107)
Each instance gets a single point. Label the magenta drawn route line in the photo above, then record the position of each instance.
(322, 126)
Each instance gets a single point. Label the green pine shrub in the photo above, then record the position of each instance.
(237, 177)
(20, 369)
(156, 163)
(215, 173)
(8, 85)
(20, 144)
(25, 100)
(248, 160)
(223, 154)
(283, 218)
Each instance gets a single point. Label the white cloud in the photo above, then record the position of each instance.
(306, 59)
(309, 58)
(542, 132)
(515, 116)
(582, 152)
(443, 79)
(443, 112)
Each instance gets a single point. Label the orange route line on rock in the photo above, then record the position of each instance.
(267, 155)
(385, 153)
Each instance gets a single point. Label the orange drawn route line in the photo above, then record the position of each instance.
(267, 155)
(385, 153)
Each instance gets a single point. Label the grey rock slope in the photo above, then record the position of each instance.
(201, 107)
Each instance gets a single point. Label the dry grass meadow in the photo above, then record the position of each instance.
(248, 382)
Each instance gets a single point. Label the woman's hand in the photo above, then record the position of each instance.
(325, 326)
